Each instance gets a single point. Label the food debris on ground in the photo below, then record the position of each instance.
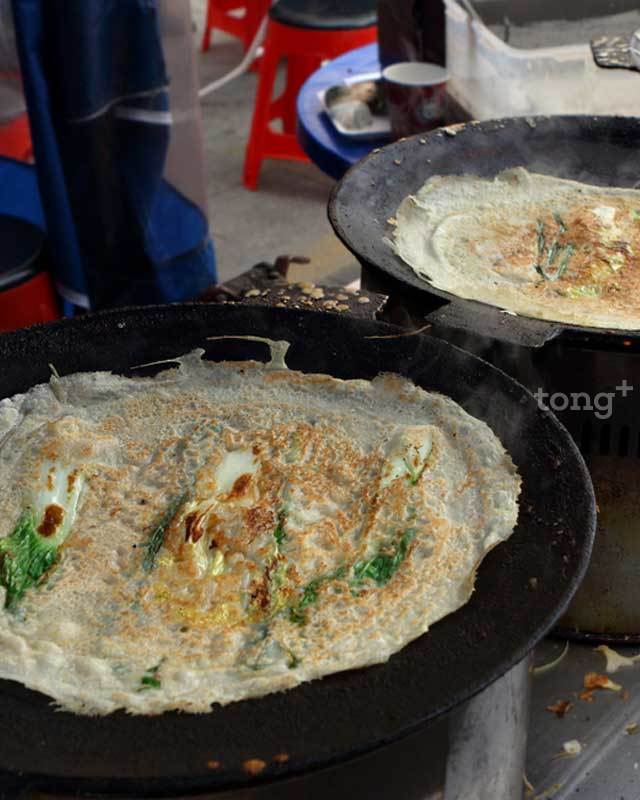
(632, 728)
(571, 748)
(560, 708)
(615, 660)
(551, 664)
(547, 794)
(594, 680)
(313, 291)
(587, 695)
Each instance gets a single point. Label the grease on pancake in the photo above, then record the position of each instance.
(242, 529)
(532, 244)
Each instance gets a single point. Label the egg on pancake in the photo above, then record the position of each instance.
(532, 244)
(225, 530)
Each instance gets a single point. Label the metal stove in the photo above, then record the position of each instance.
(502, 741)
(506, 743)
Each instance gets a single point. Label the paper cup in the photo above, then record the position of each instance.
(416, 97)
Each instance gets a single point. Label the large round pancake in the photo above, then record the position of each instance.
(100, 623)
(485, 239)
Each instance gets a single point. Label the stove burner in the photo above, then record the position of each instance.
(268, 285)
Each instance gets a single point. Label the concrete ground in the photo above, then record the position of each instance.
(288, 213)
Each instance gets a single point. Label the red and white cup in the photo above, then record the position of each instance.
(416, 97)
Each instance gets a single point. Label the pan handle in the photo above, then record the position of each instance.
(467, 318)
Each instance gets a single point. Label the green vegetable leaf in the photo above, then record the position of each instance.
(292, 659)
(552, 253)
(559, 222)
(583, 291)
(564, 261)
(299, 617)
(414, 474)
(383, 566)
(310, 594)
(279, 534)
(150, 678)
(25, 557)
(541, 239)
(271, 596)
(156, 539)
(548, 255)
(268, 595)
(149, 682)
(32, 547)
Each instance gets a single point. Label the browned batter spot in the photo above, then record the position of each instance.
(214, 764)
(259, 520)
(53, 516)
(259, 591)
(240, 486)
(71, 480)
(606, 268)
(281, 758)
(50, 451)
(193, 527)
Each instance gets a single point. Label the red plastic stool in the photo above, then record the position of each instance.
(305, 46)
(15, 136)
(220, 15)
(28, 303)
(27, 295)
(15, 139)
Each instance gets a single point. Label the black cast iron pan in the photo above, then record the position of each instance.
(346, 714)
(603, 151)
